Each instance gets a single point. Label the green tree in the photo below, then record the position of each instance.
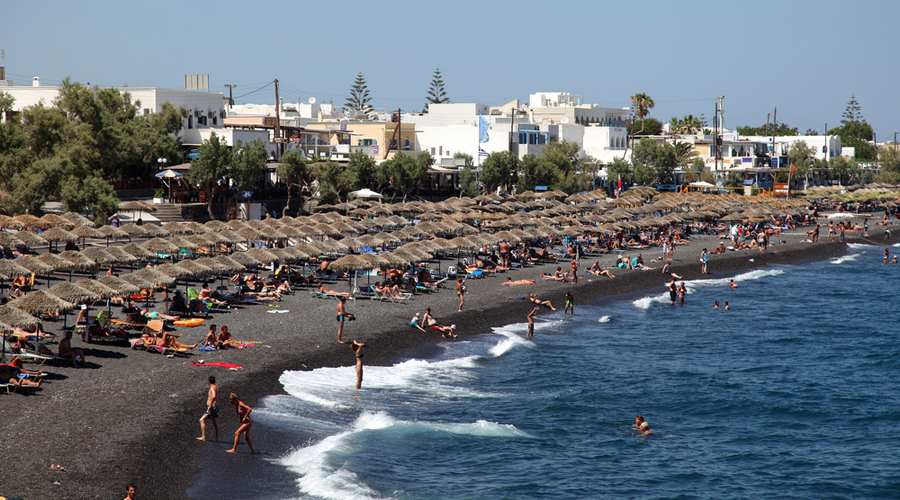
(467, 182)
(500, 169)
(801, 156)
(853, 112)
(642, 104)
(778, 130)
(536, 171)
(213, 164)
(362, 166)
(292, 170)
(335, 181)
(684, 151)
(841, 168)
(889, 163)
(404, 173)
(653, 161)
(436, 93)
(690, 124)
(359, 99)
(648, 126)
(618, 169)
(564, 155)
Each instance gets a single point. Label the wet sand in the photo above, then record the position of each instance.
(132, 416)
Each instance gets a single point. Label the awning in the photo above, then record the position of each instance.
(365, 193)
(170, 174)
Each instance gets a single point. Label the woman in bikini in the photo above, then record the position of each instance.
(243, 413)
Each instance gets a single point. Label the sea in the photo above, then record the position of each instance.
(792, 393)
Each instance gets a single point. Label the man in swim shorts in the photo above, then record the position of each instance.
(530, 333)
(570, 303)
(341, 316)
(212, 410)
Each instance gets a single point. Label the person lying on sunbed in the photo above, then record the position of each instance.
(10, 375)
(167, 340)
(36, 330)
(526, 281)
(16, 362)
(595, 269)
(387, 291)
(324, 290)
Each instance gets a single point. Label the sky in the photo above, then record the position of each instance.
(805, 58)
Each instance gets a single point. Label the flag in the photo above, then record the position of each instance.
(793, 168)
(483, 126)
(482, 152)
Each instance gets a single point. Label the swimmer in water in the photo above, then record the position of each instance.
(645, 428)
(727, 307)
(638, 420)
(732, 284)
(717, 305)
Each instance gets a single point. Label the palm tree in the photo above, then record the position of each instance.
(642, 105)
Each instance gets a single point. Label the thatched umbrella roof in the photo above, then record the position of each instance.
(139, 251)
(79, 219)
(349, 263)
(134, 231)
(112, 232)
(232, 266)
(235, 224)
(120, 286)
(296, 253)
(178, 228)
(72, 293)
(137, 281)
(374, 260)
(97, 288)
(122, 256)
(215, 225)
(160, 246)
(56, 262)
(174, 271)
(229, 236)
(53, 220)
(264, 256)
(7, 222)
(29, 220)
(155, 231)
(196, 227)
(10, 270)
(250, 234)
(244, 259)
(30, 239)
(33, 264)
(181, 243)
(16, 317)
(137, 206)
(41, 302)
(9, 241)
(154, 277)
(216, 266)
(196, 269)
(87, 232)
(95, 255)
(283, 254)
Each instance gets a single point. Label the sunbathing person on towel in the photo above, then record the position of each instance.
(509, 281)
(10, 375)
(167, 340)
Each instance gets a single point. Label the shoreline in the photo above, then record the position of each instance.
(132, 416)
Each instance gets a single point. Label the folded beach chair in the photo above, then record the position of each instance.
(154, 327)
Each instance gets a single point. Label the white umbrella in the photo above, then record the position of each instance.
(169, 174)
(840, 215)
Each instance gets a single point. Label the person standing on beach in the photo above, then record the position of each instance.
(704, 260)
(574, 272)
(530, 333)
(243, 413)
(815, 234)
(461, 291)
(212, 409)
(342, 314)
(357, 349)
(570, 303)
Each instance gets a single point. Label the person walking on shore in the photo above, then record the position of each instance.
(212, 410)
(704, 260)
(357, 349)
(342, 314)
(461, 291)
(243, 413)
(570, 303)
(530, 333)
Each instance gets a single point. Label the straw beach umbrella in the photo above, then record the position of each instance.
(263, 256)
(96, 255)
(97, 288)
(41, 302)
(9, 241)
(230, 265)
(156, 278)
(30, 239)
(161, 246)
(112, 232)
(134, 231)
(243, 259)
(120, 286)
(73, 294)
(139, 251)
(123, 257)
(10, 270)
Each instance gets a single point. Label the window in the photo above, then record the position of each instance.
(432, 151)
(406, 145)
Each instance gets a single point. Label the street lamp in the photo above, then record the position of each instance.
(161, 162)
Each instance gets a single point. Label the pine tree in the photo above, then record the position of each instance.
(853, 112)
(358, 102)
(436, 93)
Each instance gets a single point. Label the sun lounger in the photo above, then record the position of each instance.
(326, 295)
(139, 345)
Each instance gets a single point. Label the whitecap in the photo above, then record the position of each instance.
(844, 258)
(605, 319)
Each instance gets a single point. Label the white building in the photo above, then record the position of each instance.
(206, 110)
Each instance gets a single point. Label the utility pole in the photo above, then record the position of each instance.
(230, 99)
(774, 128)
(277, 119)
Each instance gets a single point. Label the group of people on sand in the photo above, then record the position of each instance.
(427, 321)
(221, 341)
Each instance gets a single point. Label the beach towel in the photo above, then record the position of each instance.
(230, 366)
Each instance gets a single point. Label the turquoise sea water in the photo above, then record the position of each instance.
(792, 393)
